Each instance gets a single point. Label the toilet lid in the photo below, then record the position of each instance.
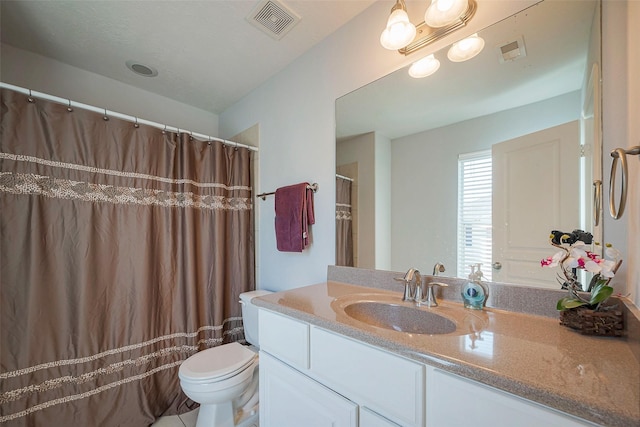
(216, 362)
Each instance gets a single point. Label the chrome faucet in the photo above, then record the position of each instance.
(412, 285)
(438, 268)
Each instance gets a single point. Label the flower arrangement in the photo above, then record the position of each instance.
(574, 254)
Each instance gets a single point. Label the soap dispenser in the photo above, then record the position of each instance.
(473, 293)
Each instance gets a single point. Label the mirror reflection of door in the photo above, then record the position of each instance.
(535, 190)
(592, 160)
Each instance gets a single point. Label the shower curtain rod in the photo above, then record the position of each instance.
(115, 114)
(344, 177)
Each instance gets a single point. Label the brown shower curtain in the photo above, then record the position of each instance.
(123, 251)
(344, 223)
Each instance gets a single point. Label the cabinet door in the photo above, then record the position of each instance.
(290, 399)
(388, 384)
(285, 338)
(454, 401)
(371, 419)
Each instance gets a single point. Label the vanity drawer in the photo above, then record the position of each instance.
(456, 400)
(285, 338)
(388, 384)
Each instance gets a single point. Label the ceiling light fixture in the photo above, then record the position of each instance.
(444, 12)
(461, 50)
(400, 34)
(424, 67)
(465, 49)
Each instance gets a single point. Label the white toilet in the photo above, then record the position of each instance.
(224, 379)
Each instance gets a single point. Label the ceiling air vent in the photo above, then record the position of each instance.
(274, 18)
(512, 50)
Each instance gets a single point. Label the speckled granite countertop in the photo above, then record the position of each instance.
(597, 379)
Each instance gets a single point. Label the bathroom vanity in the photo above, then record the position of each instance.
(321, 366)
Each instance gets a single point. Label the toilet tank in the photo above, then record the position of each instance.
(250, 315)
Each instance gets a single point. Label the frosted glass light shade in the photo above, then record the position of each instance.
(444, 12)
(424, 67)
(466, 48)
(399, 32)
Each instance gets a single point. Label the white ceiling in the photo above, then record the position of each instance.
(206, 53)
(209, 56)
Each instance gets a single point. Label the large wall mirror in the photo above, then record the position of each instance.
(527, 108)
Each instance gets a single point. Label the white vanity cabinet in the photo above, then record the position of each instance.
(313, 377)
(454, 401)
(310, 376)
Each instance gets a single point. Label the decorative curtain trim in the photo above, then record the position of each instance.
(72, 398)
(19, 183)
(344, 216)
(18, 393)
(31, 159)
(112, 368)
(48, 365)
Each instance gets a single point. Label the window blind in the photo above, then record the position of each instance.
(474, 212)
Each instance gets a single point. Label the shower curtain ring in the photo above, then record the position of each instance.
(236, 148)
(69, 108)
(105, 117)
(190, 136)
(164, 131)
(209, 140)
(136, 125)
(30, 97)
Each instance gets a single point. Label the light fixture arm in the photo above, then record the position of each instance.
(400, 4)
(426, 35)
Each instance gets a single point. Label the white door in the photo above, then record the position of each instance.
(290, 399)
(535, 190)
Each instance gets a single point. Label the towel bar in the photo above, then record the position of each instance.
(621, 155)
(263, 196)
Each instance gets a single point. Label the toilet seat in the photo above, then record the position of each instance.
(217, 363)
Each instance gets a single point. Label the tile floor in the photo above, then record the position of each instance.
(184, 420)
(189, 420)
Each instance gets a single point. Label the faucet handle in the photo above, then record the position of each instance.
(408, 294)
(444, 285)
(430, 297)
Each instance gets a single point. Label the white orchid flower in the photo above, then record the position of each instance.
(612, 252)
(606, 268)
(554, 260)
(592, 266)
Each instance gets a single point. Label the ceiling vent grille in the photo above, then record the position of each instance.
(512, 50)
(273, 18)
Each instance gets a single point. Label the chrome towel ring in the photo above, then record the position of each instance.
(620, 154)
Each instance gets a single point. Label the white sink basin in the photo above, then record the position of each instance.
(400, 318)
(386, 312)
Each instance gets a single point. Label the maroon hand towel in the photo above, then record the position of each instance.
(294, 214)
